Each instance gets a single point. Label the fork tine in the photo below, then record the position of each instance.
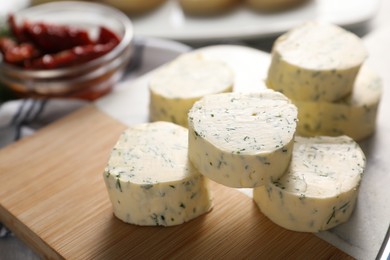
(24, 115)
(19, 113)
(136, 59)
(41, 104)
(32, 113)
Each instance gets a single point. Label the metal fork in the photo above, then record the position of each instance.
(28, 111)
(136, 58)
(384, 251)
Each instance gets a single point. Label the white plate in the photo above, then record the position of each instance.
(360, 237)
(169, 21)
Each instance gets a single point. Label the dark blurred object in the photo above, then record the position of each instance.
(96, 75)
(271, 6)
(207, 7)
(134, 7)
(42, 45)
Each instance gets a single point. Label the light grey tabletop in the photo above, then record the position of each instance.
(377, 34)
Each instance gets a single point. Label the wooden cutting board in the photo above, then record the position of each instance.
(52, 196)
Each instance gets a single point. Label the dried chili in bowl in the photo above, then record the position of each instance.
(39, 45)
(65, 49)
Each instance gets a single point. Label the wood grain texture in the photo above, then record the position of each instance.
(52, 196)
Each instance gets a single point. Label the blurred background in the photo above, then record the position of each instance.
(182, 23)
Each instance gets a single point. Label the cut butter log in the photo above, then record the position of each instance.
(316, 62)
(354, 116)
(207, 7)
(150, 180)
(320, 188)
(242, 139)
(273, 5)
(134, 7)
(176, 87)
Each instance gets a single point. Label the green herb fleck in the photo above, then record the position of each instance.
(219, 164)
(154, 217)
(118, 183)
(344, 207)
(332, 216)
(315, 74)
(147, 186)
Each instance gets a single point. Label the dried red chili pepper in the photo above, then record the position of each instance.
(87, 53)
(18, 32)
(20, 53)
(17, 53)
(76, 55)
(54, 38)
(106, 36)
(52, 61)
(48, 46)
(6, 44)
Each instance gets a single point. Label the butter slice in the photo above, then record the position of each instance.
(150, 180)
(242, 140)
(176, 87)
(206, 7)
(354, 116)
(320, 188)
(316, 62)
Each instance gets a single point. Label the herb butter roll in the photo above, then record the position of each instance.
(242, 140)
(134, 7)
(176, 87)
(150, 180)
(273, 5)
(354, 115)
(320, 188)
(315, 62)
(207, 7)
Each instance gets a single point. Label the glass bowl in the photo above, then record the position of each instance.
(88, 80)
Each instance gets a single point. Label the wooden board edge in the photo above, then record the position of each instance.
(27, 236)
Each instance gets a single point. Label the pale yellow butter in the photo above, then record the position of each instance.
(354, 115)
(319, 189)
(150, 180)
(176, 86)
(316, 62)
(242, 139)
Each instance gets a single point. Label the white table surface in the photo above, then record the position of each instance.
(360, 237)
(378, 42)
